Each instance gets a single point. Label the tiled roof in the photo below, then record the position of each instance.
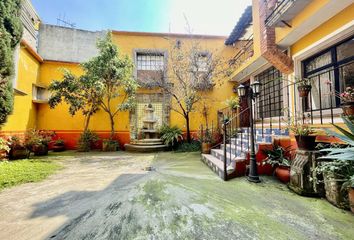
(244, 21)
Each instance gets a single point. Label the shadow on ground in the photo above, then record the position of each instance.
(183, 199)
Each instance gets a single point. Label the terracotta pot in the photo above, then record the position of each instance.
(307, 143)
(351, 199)
(234, 110)
(18, 153)
(348, 108)
(40, 150)
(334, 194)
(206, 147)
(3, 155)
(304, 90)
(283, 173)
(58, 148)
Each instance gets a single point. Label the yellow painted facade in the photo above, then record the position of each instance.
(30, 71)
(24, 115)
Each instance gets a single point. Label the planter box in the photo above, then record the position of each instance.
(16, 154)
(334, 193)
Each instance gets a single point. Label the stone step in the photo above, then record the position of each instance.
(145, 148)
(214, 164)
(149, 140)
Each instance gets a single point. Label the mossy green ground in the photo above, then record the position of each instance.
(23, 171)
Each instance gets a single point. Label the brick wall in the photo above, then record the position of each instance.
(269, 49)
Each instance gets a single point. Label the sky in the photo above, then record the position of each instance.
(213, 17)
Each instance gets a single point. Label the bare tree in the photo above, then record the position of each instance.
(190, 70)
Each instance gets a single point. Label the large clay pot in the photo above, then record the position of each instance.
(18, 153)
(40, 150)
(307, 143)
(206, 147)
(348, 108)
(3, 155)
(351, 199)
(283, 173)
(304, 90)
(58, 148)
(334, 194)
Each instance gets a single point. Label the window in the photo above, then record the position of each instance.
(270, 101)
(39, 94)
(329, 71)
(202, 63)
(150, 61)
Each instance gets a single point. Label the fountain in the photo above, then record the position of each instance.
(150, 141)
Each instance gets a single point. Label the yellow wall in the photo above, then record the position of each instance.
(59, 118)
(326, 28)
(25, 112)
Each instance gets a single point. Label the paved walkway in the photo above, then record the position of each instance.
(110, 196)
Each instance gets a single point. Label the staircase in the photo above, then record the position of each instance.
(237, 150)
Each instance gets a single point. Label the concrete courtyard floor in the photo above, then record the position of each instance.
(111, 196)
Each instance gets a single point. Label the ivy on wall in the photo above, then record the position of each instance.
(10, 35)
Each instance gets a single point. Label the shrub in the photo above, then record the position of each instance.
(194, 146)
(170, 135)
(4, 145)
(87, 138)
(37, 137)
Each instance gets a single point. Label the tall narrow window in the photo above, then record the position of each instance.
(271, 97)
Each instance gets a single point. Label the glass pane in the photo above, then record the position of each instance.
(345, 50)
(318, 62)
(346, 76)
(322, 92)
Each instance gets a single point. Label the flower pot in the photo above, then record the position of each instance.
(334, 194)
(351, 199)
(304, 90)
(110, 146)
(283, 173)
(40, 150)
(3, 155)
(206, 147)
(18, 153)
(58, 147)
(307, 143)
(234, 110)
(348, 108)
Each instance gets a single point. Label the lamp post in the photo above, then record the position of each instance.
(251, 93)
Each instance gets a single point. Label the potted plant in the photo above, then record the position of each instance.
(346, 97)
(171, 135)
(109, 145)
(349, 186)
(303, 86)
(339, 166)
(18, 149)
(37, 141)
(4, 148)
(59, 145)
(86, 141)
(233, 103)
(206, 139)
(304, 134)
(279, 158)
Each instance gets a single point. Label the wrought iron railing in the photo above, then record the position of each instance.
(245, 53)
(280, 7)
(229, 120)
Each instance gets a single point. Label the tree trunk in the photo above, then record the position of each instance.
(189, 138)
(111, 118)
(87, 121)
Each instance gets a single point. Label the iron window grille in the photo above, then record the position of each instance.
(270, 100)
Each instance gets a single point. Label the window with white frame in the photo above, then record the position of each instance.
(150, 61)
(330, 71)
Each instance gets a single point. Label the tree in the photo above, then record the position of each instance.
(107, 84)
(191, 70)
(115, 72)
(80, 93)
(10, 35)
